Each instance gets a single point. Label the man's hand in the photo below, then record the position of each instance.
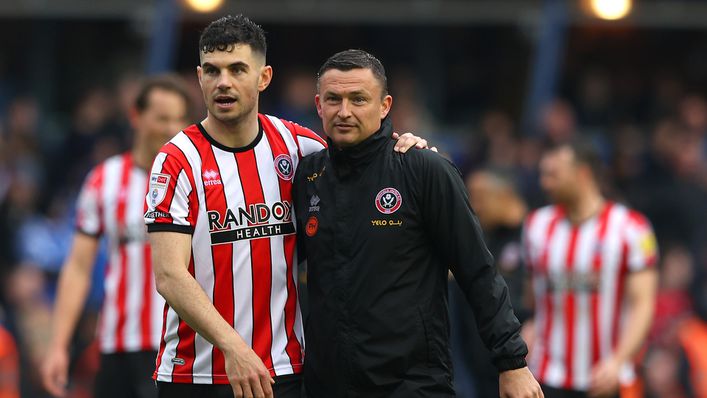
(604, 379)
(55, 372)
(519, 383)
(247, 374)
(408, 140)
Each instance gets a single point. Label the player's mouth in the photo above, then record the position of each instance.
(344, 126)
(225, 102)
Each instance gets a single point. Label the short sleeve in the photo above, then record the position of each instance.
(170, 200)
(641, 243)
(89, 205)
(308, 141)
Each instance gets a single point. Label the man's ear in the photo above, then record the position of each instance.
(386, 104)
(199, 72)
(318, 104)
(265, 77)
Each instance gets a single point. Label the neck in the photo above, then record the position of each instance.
(235, 134)
(587, 205)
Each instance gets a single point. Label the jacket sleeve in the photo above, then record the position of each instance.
(457, 236)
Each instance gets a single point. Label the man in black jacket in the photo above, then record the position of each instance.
(380, 231)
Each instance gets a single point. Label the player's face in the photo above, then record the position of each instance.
(165, 116)
(559, 175)
(351, 105)
(231, 81)
(485, 198)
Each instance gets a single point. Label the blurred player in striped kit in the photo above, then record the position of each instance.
(593, 268)
(111, 205)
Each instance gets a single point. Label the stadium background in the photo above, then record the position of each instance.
(486, 81)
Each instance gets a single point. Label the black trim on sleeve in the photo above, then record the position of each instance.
(510, 364)
(184, 229)
(92, 235)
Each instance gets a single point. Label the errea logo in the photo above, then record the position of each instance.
(314, 203)
(211, 177)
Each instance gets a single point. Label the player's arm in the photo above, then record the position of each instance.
(641, 287)
(457, 236)
(73, 286)
(170, 258)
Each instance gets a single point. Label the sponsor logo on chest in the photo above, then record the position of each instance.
(254, 221)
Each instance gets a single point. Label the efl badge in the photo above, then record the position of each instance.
(388, 200)
(158, 188)
(283, 167)
(312, 226)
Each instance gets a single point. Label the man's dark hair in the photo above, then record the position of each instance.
(585, 153)
(166, 82)
(224, 33)
(355, 59)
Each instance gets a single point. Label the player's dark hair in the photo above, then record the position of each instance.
(355, 59)
(224, 33)
(585, 153)
(166, 82)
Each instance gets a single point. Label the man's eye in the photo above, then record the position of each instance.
(359, 100)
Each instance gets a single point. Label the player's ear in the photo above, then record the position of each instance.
(386, 104)
(265, 77)
(199, 73)
(318, 104)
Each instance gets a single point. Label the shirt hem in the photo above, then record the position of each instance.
(217, 379)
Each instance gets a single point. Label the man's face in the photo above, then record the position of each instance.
(351, 105)
(559, 174)
(231, 81)
(486, 198)
(164, 116)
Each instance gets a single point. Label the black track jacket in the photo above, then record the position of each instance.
(380, 230)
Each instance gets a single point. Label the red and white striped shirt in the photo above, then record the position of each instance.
(237, 204)
(111, 204)
(579, 273)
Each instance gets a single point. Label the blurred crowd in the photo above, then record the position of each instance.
(655, 155)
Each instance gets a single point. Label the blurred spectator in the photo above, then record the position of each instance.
(9, 365)
(297, 99)
(31, 323)
(501, 210)
(558, 122)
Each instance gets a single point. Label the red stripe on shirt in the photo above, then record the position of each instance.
(570, 307)
(186, 349)
(163, 344)
(544, 265)
(261, 262)
(123, 196)
(596, 269)
(618, 298)
(293, 347)
(222, 255)
(146, 310)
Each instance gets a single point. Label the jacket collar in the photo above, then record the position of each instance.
(348, 159)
